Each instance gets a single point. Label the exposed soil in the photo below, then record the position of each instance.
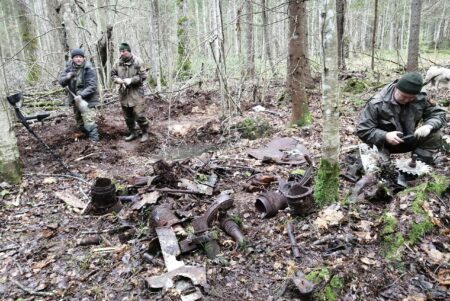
(39, 247)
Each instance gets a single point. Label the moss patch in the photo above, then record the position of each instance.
(332, 290)
(253, 128)
(10, 172)
(327, 183)
(392, 241)
(354, 86)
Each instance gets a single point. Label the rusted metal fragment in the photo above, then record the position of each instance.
(229, 226)
(269, 203)
(300, 200)
(169, 248)
(193, 243)
(223, 202)
(281, 151)
(163, 216)
(196, 274)
(192, 186)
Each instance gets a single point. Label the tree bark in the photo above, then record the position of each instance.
(250, 62)
(10, 167)
(340, 15)
(326, 187)
(296, 64)
(374, 35)
(414, 33)
(266, 36)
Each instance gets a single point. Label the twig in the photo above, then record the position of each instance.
(59, 176)
(445, 204)
(84, 157)
(108, 231)
(31, 291)
(8, 249)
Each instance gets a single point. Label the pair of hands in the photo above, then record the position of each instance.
(420, 132)
(125, 81)
(70, 75)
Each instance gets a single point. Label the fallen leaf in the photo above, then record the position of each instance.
(368, 261)
(70, 199)
(148, 198)
(330, 216)
(49, 180)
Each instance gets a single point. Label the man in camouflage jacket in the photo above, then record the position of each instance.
(402, 110)
(129, 73)
(81, 80)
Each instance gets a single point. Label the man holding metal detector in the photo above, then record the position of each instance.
(80, 79)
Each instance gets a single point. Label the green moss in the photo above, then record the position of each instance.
(354, 86)
(306, 119)
(10, 172)
(391, 239)
(327, 183)
(253, 128)
(439, 185)
(418, 230)
(332, 290)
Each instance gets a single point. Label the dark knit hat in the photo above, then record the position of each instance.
(125, 46)
(410, 83)
(77, 51)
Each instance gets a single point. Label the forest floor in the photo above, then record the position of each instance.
(352, 250)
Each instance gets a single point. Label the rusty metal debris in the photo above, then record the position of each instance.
(163, 216)
(299, 199)
(281, 151)
(258, 182)
(295, 249)
(89, 241)
(269, 203)
(196, 274)
(412, 167)
(103, 197)
(193, 243)
(202, 223)
(230, 227)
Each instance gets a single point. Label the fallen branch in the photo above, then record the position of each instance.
(31, 291)
(5, 249)
(58, 176)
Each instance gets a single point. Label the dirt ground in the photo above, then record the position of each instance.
(342, 249)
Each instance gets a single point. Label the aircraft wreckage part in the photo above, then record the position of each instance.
(169, 248)
(166, 281)
(191, 244)
(281, 151)
(412, 167)
(223, 202)
(269, 203)
(229, 226)
(163, 216)
(128, 198)
(299, 199)
(103, 193)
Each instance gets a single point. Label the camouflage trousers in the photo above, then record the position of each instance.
(135, 115)
(85, 120)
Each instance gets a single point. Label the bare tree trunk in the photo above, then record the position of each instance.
(296, 62)
(156, 44)
(266, 36)
(326, 187)
(250, 62)
(70, 31)
(340, 15)
(414, 33)
(374, 35)
(10, 167)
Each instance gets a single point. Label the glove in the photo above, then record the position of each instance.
(70, 75)
(127, 81)
(118, 80)
(393, 138)
(423, 131)
(78, 98)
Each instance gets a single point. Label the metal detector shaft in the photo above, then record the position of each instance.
(23, 120)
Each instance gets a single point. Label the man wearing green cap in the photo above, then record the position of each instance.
(129, 74)
(402, 110)
(81, 80)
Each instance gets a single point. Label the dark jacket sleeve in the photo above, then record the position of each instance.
(114, 72)
(367, 129)
(90, 83)
(434, 116)
(62, 79)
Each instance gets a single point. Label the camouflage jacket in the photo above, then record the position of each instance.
(382, 114)
(83, 84)
(133, 68)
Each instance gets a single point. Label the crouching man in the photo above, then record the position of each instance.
(129, 73)
(400, 119)
(81, 80)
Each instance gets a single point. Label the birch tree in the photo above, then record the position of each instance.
(250, 62)
(296, 64)
(326, 187)
(374, 35)
(10, 167)
(414, 33)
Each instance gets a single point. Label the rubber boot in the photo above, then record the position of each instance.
(426, 156)
(93, 135)
(133, 135)
(144, 137)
